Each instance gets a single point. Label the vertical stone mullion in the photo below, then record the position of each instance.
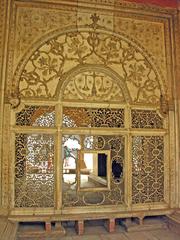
(4, 32)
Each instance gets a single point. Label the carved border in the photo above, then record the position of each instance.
(4, 29)
(175, 192)
(99, 68)
(2, 20)
(101, 4)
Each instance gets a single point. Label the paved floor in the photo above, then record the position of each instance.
(148, 235)
(93, 232)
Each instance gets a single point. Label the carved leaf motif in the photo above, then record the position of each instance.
(111, 50)
(59, 55)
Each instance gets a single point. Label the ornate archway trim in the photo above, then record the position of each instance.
(89, 29)
(99, 68)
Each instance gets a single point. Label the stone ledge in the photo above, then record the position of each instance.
(146, 225)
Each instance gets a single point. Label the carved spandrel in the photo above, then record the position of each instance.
(149, 34)
(33, 23)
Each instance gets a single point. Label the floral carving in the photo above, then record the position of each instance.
(32, 23)
(149, 34)
(49, 65)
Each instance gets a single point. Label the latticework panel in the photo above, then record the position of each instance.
(147, 169)
(42, 116)
(93, 117)
(34, 170)
(114, 195)
(146, 119)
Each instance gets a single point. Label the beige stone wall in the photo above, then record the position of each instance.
(33, 23)
(178, 95)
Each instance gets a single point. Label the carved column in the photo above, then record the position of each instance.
(178, 91)
(110, 225)
(4, 31)
(177, 105)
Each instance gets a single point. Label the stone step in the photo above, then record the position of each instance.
(150, 224)
(39, 234)
(40, 231)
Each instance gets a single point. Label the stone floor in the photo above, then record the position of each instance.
(94, 230)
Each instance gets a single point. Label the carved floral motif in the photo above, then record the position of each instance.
(49, 65)
(33, 23)
(146, 119)
(149, 34)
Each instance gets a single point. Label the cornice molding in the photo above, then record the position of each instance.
(101, 4)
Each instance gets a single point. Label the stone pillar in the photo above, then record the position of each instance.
(60, 228)
(110, 225)
(79, 226)
(139, 220)
(4, 33)
(178, 90)
(48, 226)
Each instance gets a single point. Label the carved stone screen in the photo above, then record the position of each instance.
(34, 170)
(43, 116)
(93, 165)
(92, 195)
(104, 129)
(146, 119)
(89, 109)
(93, 117)
(147, 169)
